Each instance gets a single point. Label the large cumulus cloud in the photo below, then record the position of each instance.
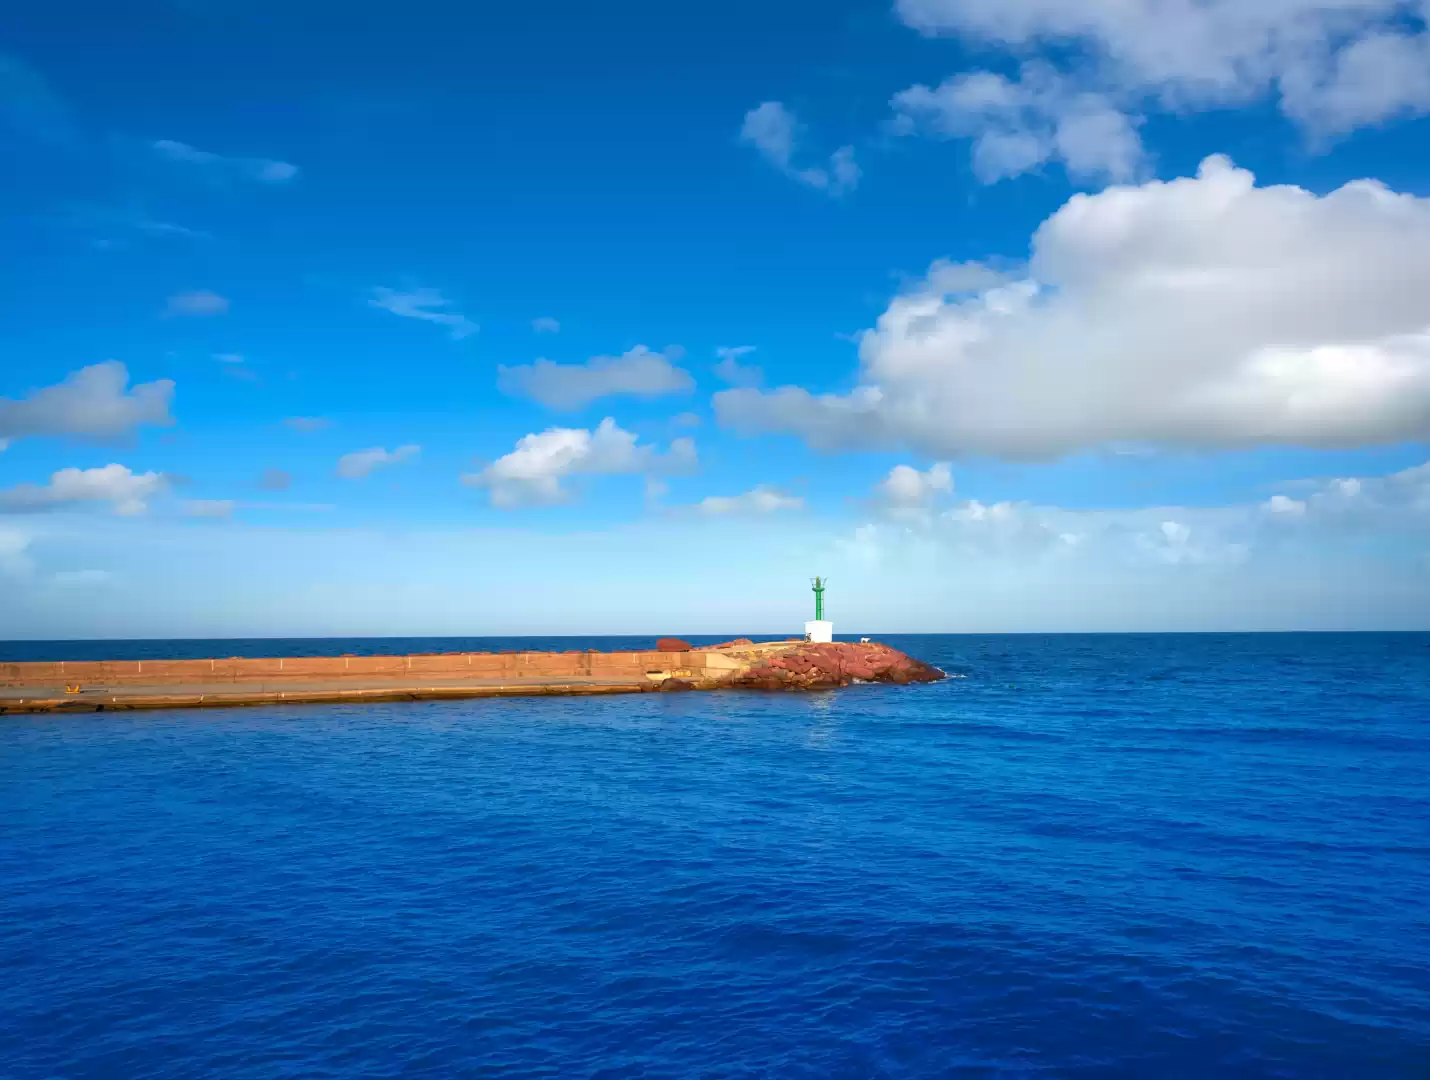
(1204, 312)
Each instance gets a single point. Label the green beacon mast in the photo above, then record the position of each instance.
(819, 629)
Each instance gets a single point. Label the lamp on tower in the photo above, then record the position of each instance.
(818, 629)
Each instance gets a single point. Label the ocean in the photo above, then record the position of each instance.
(1166, 856)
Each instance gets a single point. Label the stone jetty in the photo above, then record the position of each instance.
(92, 686)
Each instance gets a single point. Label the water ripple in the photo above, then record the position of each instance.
(1091, 857)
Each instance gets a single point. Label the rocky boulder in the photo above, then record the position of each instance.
(818, 666)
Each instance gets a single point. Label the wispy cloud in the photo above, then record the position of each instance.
(224, 509)
(198, 303)
(93, 403)
(168, 228)
(362, 462)
(290, 507)
(730, 370)
(209, 508)
(306, 425)
(639, 372)
(759, 500)
(546, 325)
(259, 170)
(1331, 520)
(127, 220)
(424, 304)
(243, 373)
(773, 130)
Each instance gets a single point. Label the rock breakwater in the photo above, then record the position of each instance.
(804, 665)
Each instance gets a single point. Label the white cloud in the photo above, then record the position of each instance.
(1337, 523)
(1019, 125)
(276, 172)
(1333, 64)
(1170, 542)
(201, 302)
(1373, 79)
(422, 304)
(730, 370)
(844, 171)
(360, 463)
(106, 221)
(533, 472)
(546, 325)
(909, 488)
(759, 500)
(1372, 502)
(177, 151)
(128, 493)
(92, 403)
(1020, 536)
(770, 128)
(167, 228)
(1202, 312)
(15, 558)
(262, 170)
(1285, 505)
(209, 508)
(567, 387)
(773, 130)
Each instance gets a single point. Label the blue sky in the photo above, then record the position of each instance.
(557, 318)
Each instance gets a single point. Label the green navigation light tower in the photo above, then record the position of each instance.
(819, 629)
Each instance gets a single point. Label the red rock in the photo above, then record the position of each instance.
(818, 666)
(669, 686)
(672, 644)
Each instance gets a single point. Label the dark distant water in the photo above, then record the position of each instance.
(1106, 856)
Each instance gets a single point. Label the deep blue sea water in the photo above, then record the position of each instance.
(1089, 856)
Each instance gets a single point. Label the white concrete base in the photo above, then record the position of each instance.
(819, 630)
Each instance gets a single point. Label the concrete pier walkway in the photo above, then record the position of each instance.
(96, 686)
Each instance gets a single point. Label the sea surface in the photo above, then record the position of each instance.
(1198, 856)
